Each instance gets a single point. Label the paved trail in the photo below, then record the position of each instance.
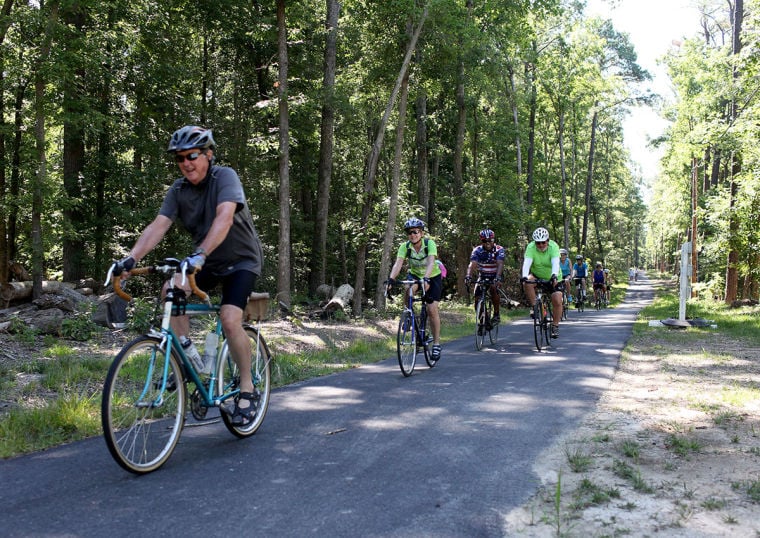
(447, 452)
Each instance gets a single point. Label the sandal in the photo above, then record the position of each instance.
(243, 416)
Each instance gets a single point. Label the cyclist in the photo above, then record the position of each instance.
(609, 280)
(488, 257)
(580, 273)
(421, 253)
(542, 261)
(600, 290)
(566, 267)
(210, 203)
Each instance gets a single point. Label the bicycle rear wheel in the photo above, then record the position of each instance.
(538, 333)
(480, 325)
(406, 344)
(142, 412)
(228, 379)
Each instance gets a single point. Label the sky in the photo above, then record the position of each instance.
(653, 26)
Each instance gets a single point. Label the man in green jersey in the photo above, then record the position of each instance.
(542, 261)
(421, 253)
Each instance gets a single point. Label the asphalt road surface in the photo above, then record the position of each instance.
(447, 452)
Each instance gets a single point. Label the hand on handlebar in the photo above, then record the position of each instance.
(124, 265)
(192, 263)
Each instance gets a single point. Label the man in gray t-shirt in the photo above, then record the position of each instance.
(210, 203)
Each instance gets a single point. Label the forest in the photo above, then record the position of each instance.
(343, 119)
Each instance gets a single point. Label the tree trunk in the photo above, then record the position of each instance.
(74, 114)
(5, 22)
(371, 170)
(283, 263)
(732, 273)
(421, 143)
(533, 105)
(589, 179)
(327, 130)
(38, 184)
(341, 299)
(390, 225)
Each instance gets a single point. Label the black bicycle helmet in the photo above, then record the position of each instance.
(414, 222)
(190, 137)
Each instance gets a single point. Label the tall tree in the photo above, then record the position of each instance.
(326, 142)
(283, 262)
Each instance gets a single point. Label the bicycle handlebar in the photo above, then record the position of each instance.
(168, 270)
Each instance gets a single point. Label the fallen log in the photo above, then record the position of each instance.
(342, 297)
(13, 291)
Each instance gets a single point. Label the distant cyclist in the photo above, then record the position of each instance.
(542, 261)
(488, 257)
(609, 280)
(600, 290)
(421, 253)
(580, 273)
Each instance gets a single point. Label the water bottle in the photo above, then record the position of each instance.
(209, 352)
(192, 352)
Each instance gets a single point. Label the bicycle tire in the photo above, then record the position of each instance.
(538, 333)
(493, 332)
(480, 325)
(565, 304)
(547, 323)
(406, 344)
(228, 379)
(141, 422)
(579, 299)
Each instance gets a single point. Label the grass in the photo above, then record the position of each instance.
(58, 392)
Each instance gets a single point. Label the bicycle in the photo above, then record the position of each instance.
(542, 312)
(412, 328)
(579, 299)
(484, 313)
(598, 300)
(565, 302)
(145, 391)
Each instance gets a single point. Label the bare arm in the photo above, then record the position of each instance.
(150, 237)
(225, 213)
(396, 269)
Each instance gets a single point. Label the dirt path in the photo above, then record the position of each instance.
(673, 448)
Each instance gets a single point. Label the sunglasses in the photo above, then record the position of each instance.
(486, 241)
(413, 232)
(540, 242)
(190, 157)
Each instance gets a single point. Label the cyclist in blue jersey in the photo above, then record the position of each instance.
(580, 273)
(488, 257)
(542, 261)
(421, 253)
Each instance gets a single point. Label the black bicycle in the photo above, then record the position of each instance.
(484, 311)
(412, 335)
(542, 312)
(579, 294)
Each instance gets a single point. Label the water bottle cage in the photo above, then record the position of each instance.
(178, 299)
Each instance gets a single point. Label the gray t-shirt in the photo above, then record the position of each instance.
(195, 207)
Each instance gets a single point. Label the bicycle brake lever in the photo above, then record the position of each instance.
(109, 275)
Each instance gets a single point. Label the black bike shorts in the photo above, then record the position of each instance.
(236, 286)
(435, 291)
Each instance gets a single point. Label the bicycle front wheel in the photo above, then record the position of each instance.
(538, 333)
(406, 344)
(228, 380)
(480, 325)
(547, 324)
(142, 411)
(493, 328)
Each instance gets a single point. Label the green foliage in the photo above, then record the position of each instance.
(79, 326)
